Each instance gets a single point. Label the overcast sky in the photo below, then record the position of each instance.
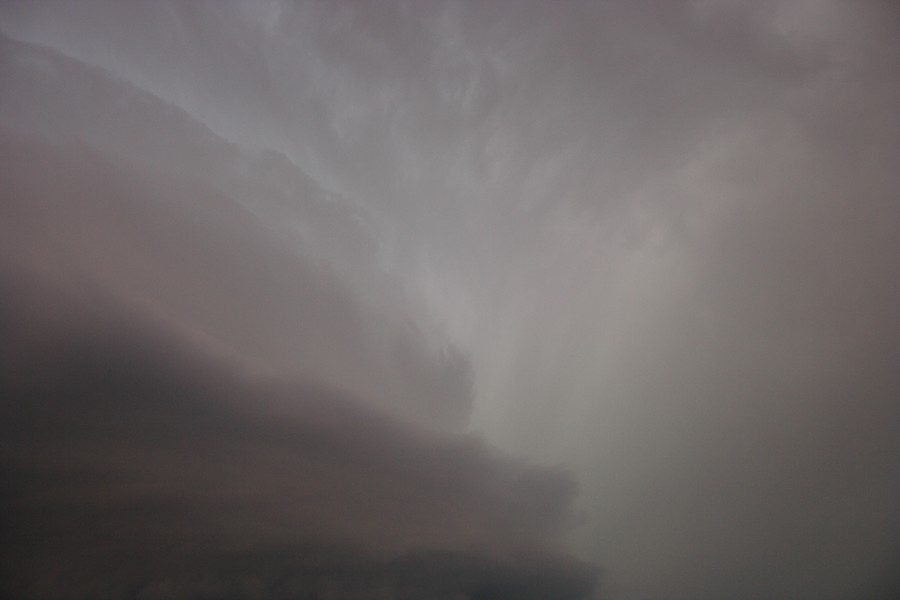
(647, 249)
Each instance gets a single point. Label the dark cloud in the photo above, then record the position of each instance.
(137, 466)
(654, 242)
(214, 266)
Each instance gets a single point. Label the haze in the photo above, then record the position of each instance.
(454, 300)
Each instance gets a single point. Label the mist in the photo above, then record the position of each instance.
(450, 299)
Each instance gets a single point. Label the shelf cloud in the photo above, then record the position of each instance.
(450, 299)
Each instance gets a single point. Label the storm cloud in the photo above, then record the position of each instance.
(614, 280)
(139, 465)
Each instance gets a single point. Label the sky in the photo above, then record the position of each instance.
(588, 299)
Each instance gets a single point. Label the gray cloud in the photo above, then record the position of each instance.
(209, 263)
(660, 236)
(137, 466)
